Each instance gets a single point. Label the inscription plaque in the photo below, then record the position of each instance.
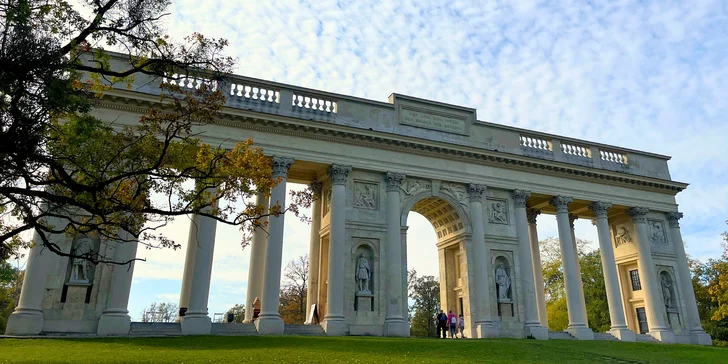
(436, 121)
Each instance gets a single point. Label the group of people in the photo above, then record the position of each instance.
(450, 323)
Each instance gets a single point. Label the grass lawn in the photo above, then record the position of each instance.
(298, 349)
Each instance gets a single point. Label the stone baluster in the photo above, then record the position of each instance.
(334, 322)
(484, 326)
(531, 215)
(257, 259)
(115, 319)
(574, 298)
(619, 327)
(394, 322)
(269, 321)
(314, 250)
(648, 278)
(697, 334)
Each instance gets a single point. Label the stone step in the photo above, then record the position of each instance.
(604, 336)
(560, 335)
(233, 329)
(304, 330)
(155, 329)
(644, 338)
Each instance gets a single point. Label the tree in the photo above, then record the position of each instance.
(425, 291)
(11, 279)
(710, 283)
(294, 291)
(238, 312)
(160, 312)
(57, 160)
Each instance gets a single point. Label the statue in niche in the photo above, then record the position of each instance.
(498, 213)
(657, 235)
(666, 289)
(365, 197)
(81, 268)
(363, 274)
(503, 282)
(623, 236)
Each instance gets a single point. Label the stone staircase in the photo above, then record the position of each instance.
(304, 330)
(604, 336)
(233, 329)
(560, 335)
(155, 329)
(644, 338)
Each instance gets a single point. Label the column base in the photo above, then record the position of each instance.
(538, 332)
(25, 322)
(114, 324)
(623, 334)
(270, 325)
(396, 327)
(700, 338)
(196, 324)
(581, 333)
(335, 327)
(486, 330)
(663, 336)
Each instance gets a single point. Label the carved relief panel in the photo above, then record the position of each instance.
(657, 232)
(366, 195)
(458, 191)
(622, 235)
(497, 211)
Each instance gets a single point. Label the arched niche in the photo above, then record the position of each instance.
(366, 274)
(503, 278)
(667, 290)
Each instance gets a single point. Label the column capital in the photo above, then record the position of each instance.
(394, 181)
(532, 214)
(339, 173)
(638, 214)
(600, 208)
(520, 197)
(673, 217)
(280, 166)
(476, 192)
(316, 187)
(561, 203)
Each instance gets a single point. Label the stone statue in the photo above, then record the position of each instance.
(666, 292)
(498, 213)
(623, 236)
(503, 281)
(657, 235)
(365, 197)
(363, 274)
(81, 269)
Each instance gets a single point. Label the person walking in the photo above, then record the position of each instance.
(461, 326)
(441, 324)
(452, 321)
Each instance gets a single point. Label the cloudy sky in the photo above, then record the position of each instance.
(647, 75)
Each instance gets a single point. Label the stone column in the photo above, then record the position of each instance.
(202, 231)
(531, 215)
(256, 268)
(484, 326)
(314, 250)
(573, 218)
(394, 323)
(697, 334)
(619, 327)
(334, 323)
(574, 298)
(531, 324)
(648, 278)
(189, 268)
(27, 318)
(115, 319)
(269, 320)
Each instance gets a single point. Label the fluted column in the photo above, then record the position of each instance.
(394, 323)
(314, 250)
(115, 319)
(573, 218)
(531, 323)
(697, 334)
(269, 321)
(531, 215)
(202, 239)
(483, 321)
(257, 259)
(648, 278)
(574, 298)
(334, 323)
(619, 327)
(27, 318)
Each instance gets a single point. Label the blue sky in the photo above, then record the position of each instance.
(647, 75)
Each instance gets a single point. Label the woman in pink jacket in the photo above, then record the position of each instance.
(452, 322)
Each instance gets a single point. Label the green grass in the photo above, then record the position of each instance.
(222, 349)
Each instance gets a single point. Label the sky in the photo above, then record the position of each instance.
(646, 75)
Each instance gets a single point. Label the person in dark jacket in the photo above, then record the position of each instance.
(441, 324)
